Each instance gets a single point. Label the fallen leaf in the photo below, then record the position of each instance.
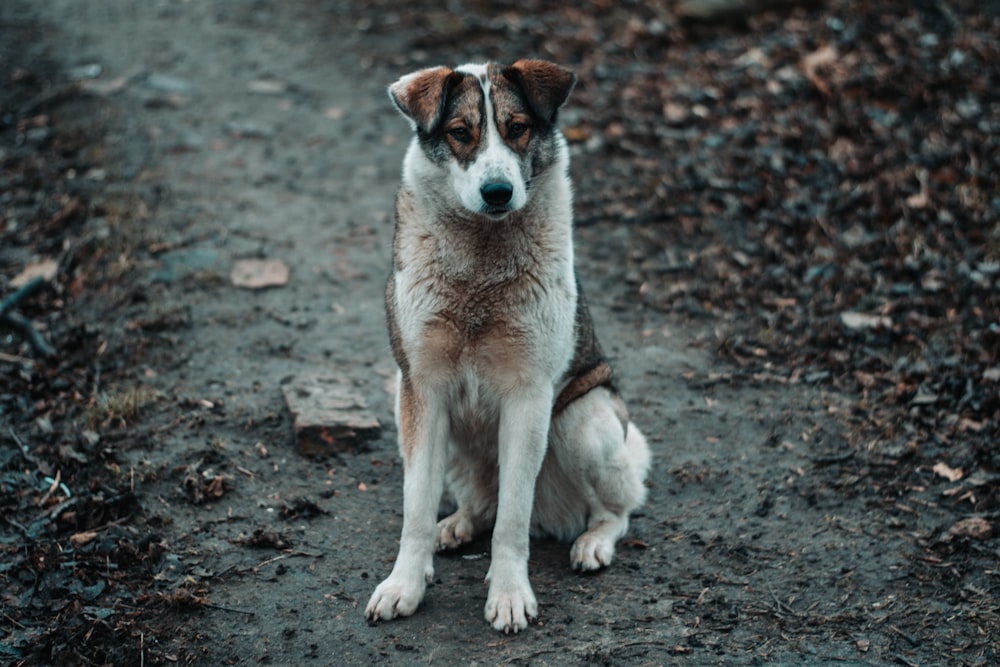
(80, 539)
(942, 469)
(47, 269)
(974, 527)
(259, 273)
(576, 134)
(822, 57)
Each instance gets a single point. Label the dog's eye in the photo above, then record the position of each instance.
(461, 135)
(516, 130)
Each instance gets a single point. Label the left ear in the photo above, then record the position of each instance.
(546, 85)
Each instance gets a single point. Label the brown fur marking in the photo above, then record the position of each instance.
(589, 369)
(410, 410)
(424, 96)
(545, 85)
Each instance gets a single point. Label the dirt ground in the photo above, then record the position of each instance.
(787, 227)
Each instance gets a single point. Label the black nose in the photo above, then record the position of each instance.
(497, 193)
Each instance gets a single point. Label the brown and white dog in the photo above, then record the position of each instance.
(505, 397)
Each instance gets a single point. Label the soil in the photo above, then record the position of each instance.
(787, 226)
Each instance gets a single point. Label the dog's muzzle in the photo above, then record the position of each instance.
(497, 194)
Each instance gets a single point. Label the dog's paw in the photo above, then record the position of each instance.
(510, 610)
(592, 551)
(395, 597)
(454, 531)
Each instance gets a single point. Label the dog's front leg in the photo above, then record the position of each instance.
(423, 433)
(524, 427)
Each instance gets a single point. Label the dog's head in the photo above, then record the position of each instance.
(490, 128)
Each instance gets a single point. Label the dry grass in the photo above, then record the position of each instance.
(120, 407)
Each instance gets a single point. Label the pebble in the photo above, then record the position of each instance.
(167, 84)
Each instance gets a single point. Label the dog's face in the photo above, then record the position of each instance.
(491, 128)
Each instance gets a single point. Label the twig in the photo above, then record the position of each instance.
(22, 324)
(16, 359)
(268, 562)
(831, 459)
(55, 485)
(24, 447)
(782, 607)
(28, 330)
(282, 557)
(14, 622)
(21, 294)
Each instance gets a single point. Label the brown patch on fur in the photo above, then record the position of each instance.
(410, 410)
(464, 110)
(589, 369)
(405, 210)
(424, 95)
(597, 376)
(442, 342)
(546, 86)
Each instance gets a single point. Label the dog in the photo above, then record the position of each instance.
(504, 396)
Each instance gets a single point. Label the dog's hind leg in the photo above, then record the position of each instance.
(472, 481)
(458, 528)
(619, 492)
(595, 479)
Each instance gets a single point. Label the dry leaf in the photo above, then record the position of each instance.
(80, 539)
(974, 527)
(47, 269)
(942, 469)
(821, 57)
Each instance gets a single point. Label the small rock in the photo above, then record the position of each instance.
(267, 87)
(856, 321)
(259, 273)
(330, 415)
(249, 130)
(675, 113)
(168, 84)
(91, 71)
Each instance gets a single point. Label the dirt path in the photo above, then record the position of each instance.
(264, 131)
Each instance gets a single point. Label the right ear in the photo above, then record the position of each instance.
(421, 96)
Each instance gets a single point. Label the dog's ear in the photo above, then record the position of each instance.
(545, 85)
(421, 96)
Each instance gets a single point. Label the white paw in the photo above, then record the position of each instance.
(592, 551)
(394, 597)
(509, 610)
(454, 531)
